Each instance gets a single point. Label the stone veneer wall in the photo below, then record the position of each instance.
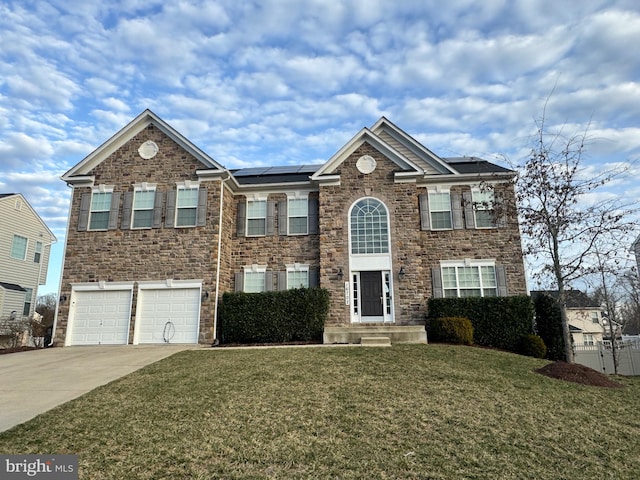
(412, 248)
(275, 251)
(149, 254)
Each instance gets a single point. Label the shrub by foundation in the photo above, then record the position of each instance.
(295, 315)
(451, 330)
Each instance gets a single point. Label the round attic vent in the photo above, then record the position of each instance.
(366, 164)
(148, 150)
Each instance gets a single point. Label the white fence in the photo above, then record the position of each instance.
(600, 357)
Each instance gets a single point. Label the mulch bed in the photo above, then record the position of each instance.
(576, 373)
(4, 351)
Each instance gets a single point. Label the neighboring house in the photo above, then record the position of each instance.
(586, 323)
(159, 230)
(25, 243)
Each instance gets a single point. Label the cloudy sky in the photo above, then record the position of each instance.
(275, 82)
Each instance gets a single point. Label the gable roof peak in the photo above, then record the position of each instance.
(80, 171)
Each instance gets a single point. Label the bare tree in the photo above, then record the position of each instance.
(560, 228)
(46, 306)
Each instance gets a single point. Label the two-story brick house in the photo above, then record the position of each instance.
(158, 230)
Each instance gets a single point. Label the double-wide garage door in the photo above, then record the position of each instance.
(164, 315)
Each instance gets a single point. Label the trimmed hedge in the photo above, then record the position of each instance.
(549, 326)
(451, 330)
(497, 321)
(292, 315)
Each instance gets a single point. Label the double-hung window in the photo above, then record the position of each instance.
(256, 217)
(440, 210)
(186, 206)
(99, 211)
(483, 208)
(19, 247)
(297, 276)
(143, 203)
(28, 298)
(38, 255)
(469, 280)
(255, 279)
(298, 212)
(595, 317)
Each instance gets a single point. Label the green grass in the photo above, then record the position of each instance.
(415, 411)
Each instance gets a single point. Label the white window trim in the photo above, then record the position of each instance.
(467, 262)
(297, 196)
(439, 189)
(255, 269)
(256, 198)
(94, 190)
(26, 247)
(144, 187)
(297, 267)
(185, 185)
(477, 191)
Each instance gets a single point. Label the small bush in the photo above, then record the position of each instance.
(532, 346)
(451, 330)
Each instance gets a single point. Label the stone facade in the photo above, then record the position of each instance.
(170, 254)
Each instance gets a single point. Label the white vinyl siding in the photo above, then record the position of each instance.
(19, 247)
(256, 218)
(187, 207)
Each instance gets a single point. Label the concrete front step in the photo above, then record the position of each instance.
(354, 333)
(375, 341)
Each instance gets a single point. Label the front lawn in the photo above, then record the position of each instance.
(419, 411)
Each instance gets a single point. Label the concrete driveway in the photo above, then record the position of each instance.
(36, 381)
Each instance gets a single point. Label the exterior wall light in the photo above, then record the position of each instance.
(401, 273)
(340, 274)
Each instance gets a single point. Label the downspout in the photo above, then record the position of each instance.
(64, 257)
(217, 296)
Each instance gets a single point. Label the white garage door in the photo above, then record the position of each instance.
(100, 317)
(169, 315)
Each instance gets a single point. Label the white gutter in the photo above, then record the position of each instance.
(217, 296)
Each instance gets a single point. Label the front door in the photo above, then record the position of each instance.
(372, 297)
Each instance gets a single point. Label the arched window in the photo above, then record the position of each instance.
(369, 227)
